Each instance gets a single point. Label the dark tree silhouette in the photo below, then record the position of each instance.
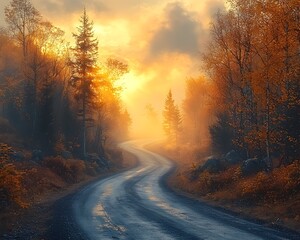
(84, 67)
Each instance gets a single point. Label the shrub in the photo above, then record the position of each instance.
(206, 183)
(11, 190)
(210, 182)
(255, 188)
(69, 170)
(115, 156)
(279, 185)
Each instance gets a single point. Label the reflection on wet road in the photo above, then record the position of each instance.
(136, 205)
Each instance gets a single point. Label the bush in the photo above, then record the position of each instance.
(115, 156)
(11, 190)
(209, 182)
(69, 170)
(279, 185)
(255, 188)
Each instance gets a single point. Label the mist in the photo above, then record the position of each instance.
(162, 48)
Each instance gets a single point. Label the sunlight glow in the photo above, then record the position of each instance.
(132, 82)
(114, 34)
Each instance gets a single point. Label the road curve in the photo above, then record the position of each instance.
(137, 205)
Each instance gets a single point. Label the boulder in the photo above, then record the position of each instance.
(101, 161)
(92, 157)
(37, 155)
(66, 155)
(232, 157)
(252, 166)
(213, 165)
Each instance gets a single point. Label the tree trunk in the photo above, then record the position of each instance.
(84, 125)
(268, 126)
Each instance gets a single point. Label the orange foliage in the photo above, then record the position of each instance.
(11, 190)
(279, 185)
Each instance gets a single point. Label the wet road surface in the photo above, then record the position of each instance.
(137, 204)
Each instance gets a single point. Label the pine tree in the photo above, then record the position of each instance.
(84, 66)
(172, 119)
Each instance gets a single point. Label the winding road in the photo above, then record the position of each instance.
(136, 204)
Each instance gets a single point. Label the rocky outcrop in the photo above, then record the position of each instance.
(252, 166)
(232, 158)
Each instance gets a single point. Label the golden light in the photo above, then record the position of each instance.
(114, 34)
(132, 82)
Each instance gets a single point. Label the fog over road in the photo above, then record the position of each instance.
(136, 204)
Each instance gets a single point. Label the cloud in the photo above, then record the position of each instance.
(161, 41)
(179, 34)
(70, 6)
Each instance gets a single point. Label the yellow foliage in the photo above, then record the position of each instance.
(278, 185)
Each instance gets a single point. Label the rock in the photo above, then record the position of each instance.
(92, 157)
(66, 155)
(101, 161)
(213, 165)
(17, 156)
(37, 155)
(252, 166)
(232, 157)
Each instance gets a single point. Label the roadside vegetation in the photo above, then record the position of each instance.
(236, 137)
(61, 116)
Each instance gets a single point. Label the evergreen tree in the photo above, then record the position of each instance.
(221, 134)
(172, 119)
(84, 65)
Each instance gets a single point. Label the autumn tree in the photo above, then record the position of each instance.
(22, 19)
(84, 64)
(112, 120)
(196, 110)
(254, 64)
(221, 134)
(171, 119)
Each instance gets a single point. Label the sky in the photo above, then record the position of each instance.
(160, 40)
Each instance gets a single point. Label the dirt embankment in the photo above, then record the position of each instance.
(33, 222)
(273, 198)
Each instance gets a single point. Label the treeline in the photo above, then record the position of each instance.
(57, 97)
(249, 100)
(254, 63)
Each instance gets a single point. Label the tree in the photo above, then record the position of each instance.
(22, 18)
(196, 110)
(221, 134)
(110, 125)
(172, 119)
(84, 67)
(254, 64)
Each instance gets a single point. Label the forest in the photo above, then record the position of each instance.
(59, 101)
(244, 111)
(234, 137)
